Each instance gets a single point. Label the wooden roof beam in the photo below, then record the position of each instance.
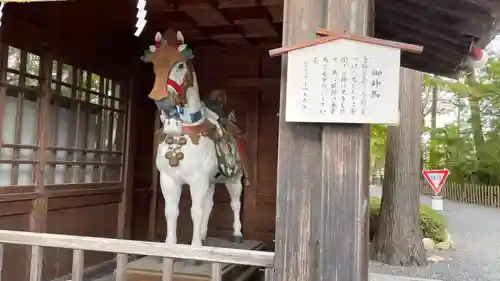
(428, 66)
(464, 9)
(391, 32)
(260, 82)
(437, 62)
(211, 31)
(255, 12)
(161, 21)
(231, 39)
(494, 31)
(422, 18)
(164, 17)
(271, 18)
(206, 13)
(226, 32)
(32, 38)
(416, 20)
(223, 4)
(276, 12)
(273, 2)
(161, 5)
(205, 42)
(332, 36)
(257, 28)
(468, 21)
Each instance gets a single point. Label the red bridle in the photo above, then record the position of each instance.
(177, 88)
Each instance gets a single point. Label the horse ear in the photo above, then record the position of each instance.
(158, 36)
(180, 37)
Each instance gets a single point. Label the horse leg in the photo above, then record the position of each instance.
(208, 203)
(171, 191)
(198, 189)
(235, 188)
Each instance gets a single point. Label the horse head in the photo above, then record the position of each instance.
(173, 71)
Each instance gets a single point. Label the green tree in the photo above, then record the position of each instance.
(398, 240)
(377, 148)
(469, 147)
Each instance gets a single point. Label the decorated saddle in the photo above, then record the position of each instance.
(229, 142)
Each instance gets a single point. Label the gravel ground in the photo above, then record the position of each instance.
(475, 230)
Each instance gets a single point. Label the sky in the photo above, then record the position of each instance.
(450, 117)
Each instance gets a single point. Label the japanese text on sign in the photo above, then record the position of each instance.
(355, 87)
(355, 81)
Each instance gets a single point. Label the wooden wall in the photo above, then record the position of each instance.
(93, 214)
(15, 215)
(251, 80)
(88, 209)
(143, 172)
(265, 192)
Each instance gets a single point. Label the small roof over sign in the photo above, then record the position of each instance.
(331, 36)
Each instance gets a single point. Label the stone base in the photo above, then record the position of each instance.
(149, 268)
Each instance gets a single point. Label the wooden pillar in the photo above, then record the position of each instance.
(38, 216)
(155, 182)
(125, 209)
(322, 205)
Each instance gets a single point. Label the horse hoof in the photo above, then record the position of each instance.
(193, 262)
(237, 239)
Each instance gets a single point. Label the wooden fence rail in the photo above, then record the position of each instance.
(123, 248)
(480, 194)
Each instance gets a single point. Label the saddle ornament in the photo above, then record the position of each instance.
(174, 153)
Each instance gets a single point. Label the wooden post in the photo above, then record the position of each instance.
(125, 210)
(322, 206)
(154, 184)
(38, 216)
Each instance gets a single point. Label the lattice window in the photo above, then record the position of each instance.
(19, 95)
(85, 130)
(88, 127)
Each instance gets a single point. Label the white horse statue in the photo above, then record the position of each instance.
(196, 146)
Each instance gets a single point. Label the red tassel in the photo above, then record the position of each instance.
(158, 44)
(478, 53)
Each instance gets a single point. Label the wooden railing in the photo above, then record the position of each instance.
(123, 248)
(480, 194)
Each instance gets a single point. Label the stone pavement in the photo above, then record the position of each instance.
(475, 231)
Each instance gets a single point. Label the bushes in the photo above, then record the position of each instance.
(432, 223)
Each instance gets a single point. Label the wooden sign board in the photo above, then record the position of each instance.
(344, 79)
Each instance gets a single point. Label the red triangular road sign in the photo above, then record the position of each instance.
(436, 178)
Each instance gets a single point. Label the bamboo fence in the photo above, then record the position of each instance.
(480, 194)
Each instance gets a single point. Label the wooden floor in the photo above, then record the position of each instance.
(149, 268)
(183, 270)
